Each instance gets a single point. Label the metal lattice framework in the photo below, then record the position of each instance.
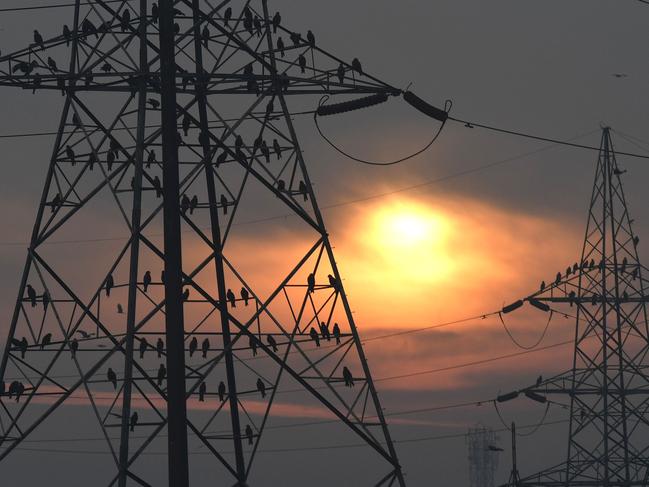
(483, 455)
(176, 118)
(608, 387)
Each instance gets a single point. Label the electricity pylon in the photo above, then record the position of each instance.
(176, 119)
(608, 386)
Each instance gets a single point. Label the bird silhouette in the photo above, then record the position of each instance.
(310, 281)
(227, 15)
(356, 65)
(261, 387)
(160, 347)
(193, 346)
(110, 282)
(74, 347)
(303, 190)
(310, 38)
(155, 14)
(618, 171)
(69, 153)
(494, 448)
(314, 336)
(245, 295)
(249, 434)
(143, 346)
(120, 309)
(231, 298)
(221, 391)
(125, 20)
(157, 186)
(52, 64)
(112, 377)
(277, 21)
(31, 295)
(348, 377)
(38, 39)
(67, 35)
(155, 104)
(542, 287)
(186, 294)
(253, 345)
(336, 332)
(302, 63)
(277, 149)
(47, 339)
(84, 334)
(134, 420)
(333, 282)
(295, 38)
(162, 374)
(271, 341)
(146, 280)
(281, 47)
(205, 36)
(324, 331)
(151, 159)
(205, 347)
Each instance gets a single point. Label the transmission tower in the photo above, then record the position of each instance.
(483, 455)
(608, 385)
(176, 119)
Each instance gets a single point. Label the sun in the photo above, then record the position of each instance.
(412, 239)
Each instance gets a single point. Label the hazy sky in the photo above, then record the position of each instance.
(540, 67)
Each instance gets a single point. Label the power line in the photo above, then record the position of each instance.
(56, 5)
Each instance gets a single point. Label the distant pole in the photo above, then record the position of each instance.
(514, 478)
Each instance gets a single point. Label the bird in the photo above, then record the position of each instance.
(310, 280)
(619, 75)
(67, 35)
(542, 287)
(245, 295)
(277, 21)
(205, 36)
(539, 379)
(340, 72)
(271, 341)
(38, 39)
(314, 336)
(110, 282)
(160, 347)
(356, 65)
(134, 420)
(84, 334)
(277, 149)
(221, 391)
(154, 13)
(302, 62)
(184, 204)
(281, 47)
(69, 152)
(47, 339)
(205, 347)
(333, 282)
(146, 280)
(193, 204)
(31, 295)
(155, 104)
(202, 389)
(618, 172)
(20, 345)
(151, 159)
(162, 374)
(253, 345)
(157, 186)
(348, 377)
(265, 151)
(231, 297)
(224, 204)
(310, 38)
(336, 332)
(52, 64)
(303, 190)
(125, 20)
(324, 331)
(186, 294)
(494, 448)
(257, 24)
(295, 38)
(227, 15)
(143, 346)
(193, 345)
(249, 434)
(261, 387)
(74, 346)
(120, 309)
(186, 124)
(112, 377)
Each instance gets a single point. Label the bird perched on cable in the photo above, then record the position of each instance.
(162, 374)
(224, 204)
(193, 204)
(249, 434)
(253, 345)
(221, 391)
(295, 38)
(227, 15)
(67, 35)
(348, 377)
(160, 347)
(38, 39)
(336, 332)
(277, 149)
(157, 185)
(277, 21)
(281, 47)
(186, 294)
(231, 297)
(146, 280)
(84, 334)
(47, 339)
(314, 336)
(542, 287)
(356, 65)
(205, 36)
(202, 389)
(265, 151)
(324, 331)
(302, 189)
(245, 295)
(494, 448)
(151, 159)
(539, 379)
(193, 346)
(247, 20)
(155, 104)
(302, 63)
(125, 20)
(205, 347)
(257, 23)
(271, 341)
(120, 309)
(333, 282)
(143, 346)
(261, 387)
(110, 282)
(340, 72)
(310, 282)
(74, 347)
(310, 38)
(618, 171)
(31, 295)
(52, 64)
(112, 377)
(186, 124)
(134, 419)
(21, 345)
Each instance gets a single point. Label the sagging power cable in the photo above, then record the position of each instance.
(368, 101)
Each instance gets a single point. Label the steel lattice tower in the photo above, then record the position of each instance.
(608, 386)
(483, 456)
(176, 115)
